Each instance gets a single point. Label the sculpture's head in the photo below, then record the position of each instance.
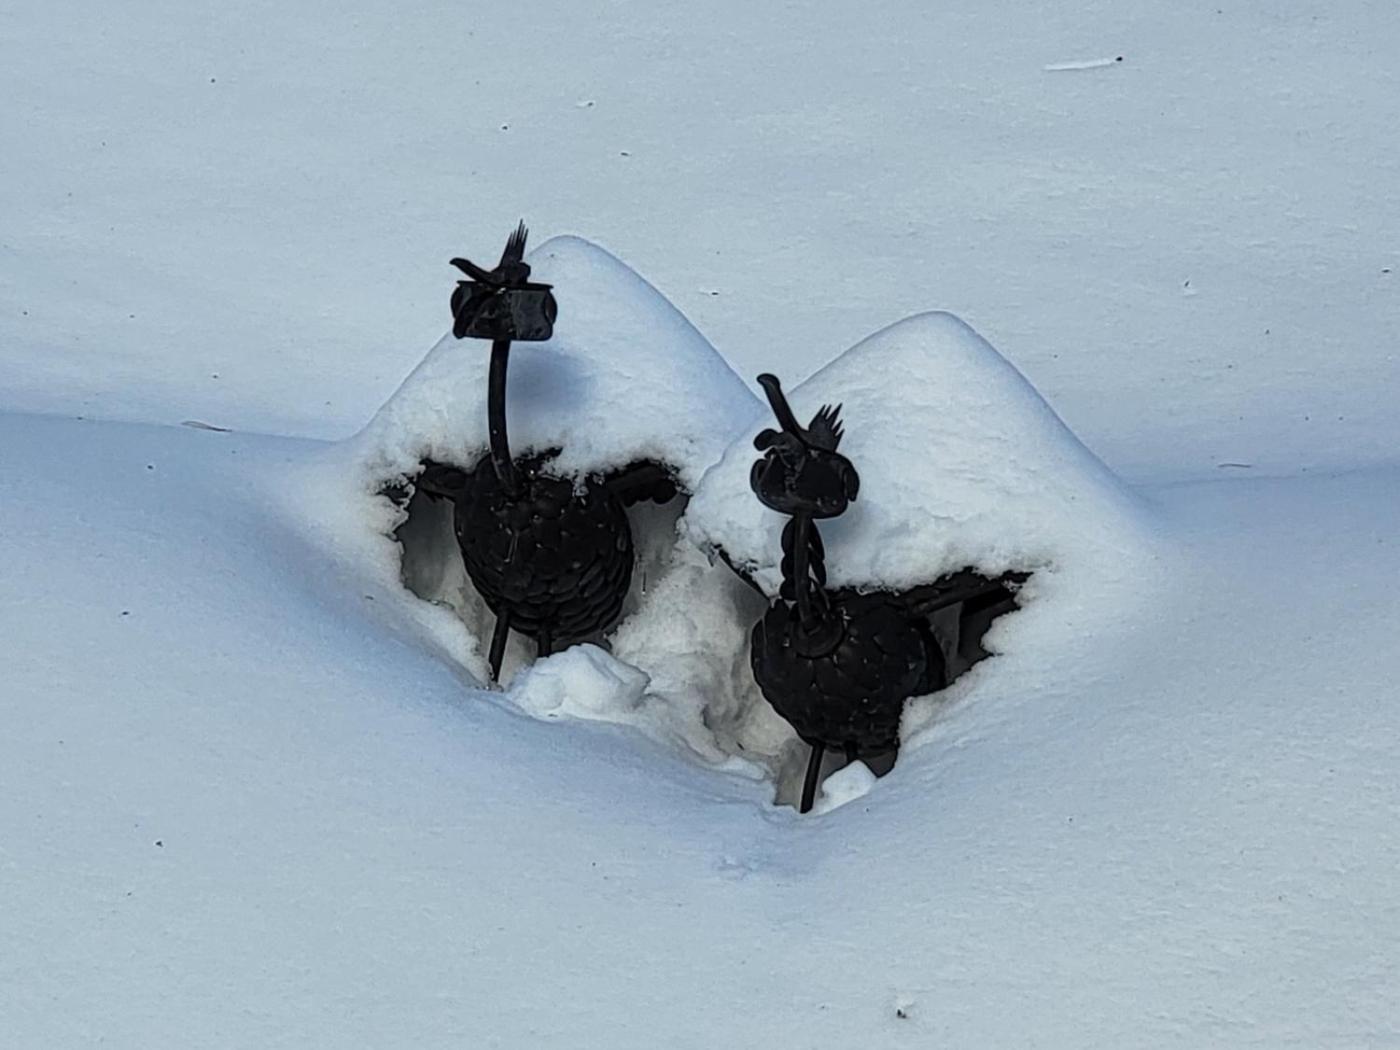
(503, 303)
(801, 472)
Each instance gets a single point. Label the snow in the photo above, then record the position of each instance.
(844, 786)
(581, 682)
(1179, 834)
(250, 790)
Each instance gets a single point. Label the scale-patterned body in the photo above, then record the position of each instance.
(555, 556)
(847, 690)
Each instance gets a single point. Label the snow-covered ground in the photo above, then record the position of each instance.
(243, 212)
(250, 792)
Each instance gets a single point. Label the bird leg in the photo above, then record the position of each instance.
(809, 784)
(498, 644)
(544, 643)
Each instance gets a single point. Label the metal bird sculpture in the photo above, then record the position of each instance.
(840, 664)
(552, 556)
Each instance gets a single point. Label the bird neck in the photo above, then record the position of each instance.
(496, 417)
(804, 570)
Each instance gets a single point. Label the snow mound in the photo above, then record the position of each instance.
(962, 464)
(625, 378)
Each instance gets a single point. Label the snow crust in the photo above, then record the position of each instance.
(625, 378)
(1154, 268)
(582, 682)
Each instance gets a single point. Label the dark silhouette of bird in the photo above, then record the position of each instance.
(840, 664)
(552, 556)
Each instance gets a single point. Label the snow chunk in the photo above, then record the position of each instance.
(583, 682)
(961, 462)
(625, 378)
(845, 785)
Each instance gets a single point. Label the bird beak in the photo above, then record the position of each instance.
(778, 401)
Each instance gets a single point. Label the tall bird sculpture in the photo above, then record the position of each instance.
(839, 665)
(552, 556)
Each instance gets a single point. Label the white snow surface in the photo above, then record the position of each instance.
(250, 791)
(625, 378)
(243, 804)
(844, 786)
(582, 681)
(243, 215)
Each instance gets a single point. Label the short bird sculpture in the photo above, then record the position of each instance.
(839, 665)
(552, 556)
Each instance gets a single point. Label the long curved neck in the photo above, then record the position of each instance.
(496, 416)
(802, 544)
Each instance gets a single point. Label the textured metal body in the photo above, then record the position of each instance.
(837, 665)
(847, 693)
(551, 557)
(555, 557)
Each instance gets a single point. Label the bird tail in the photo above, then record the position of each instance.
(515, 247)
